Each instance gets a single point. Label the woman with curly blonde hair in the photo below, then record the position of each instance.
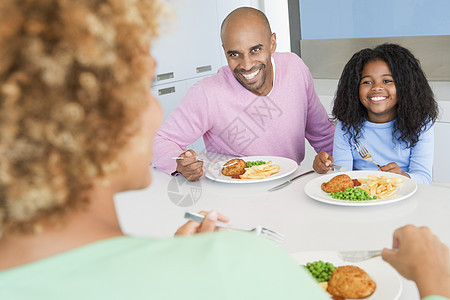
(76, 125)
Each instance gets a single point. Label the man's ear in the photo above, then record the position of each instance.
(273, 42)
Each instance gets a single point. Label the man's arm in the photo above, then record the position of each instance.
(187, 123)
(319, 129)
(421, 160)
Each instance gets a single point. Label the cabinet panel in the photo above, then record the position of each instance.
(190, 46)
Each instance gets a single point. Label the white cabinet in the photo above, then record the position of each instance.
(189, 46)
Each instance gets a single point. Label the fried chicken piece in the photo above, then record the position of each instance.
(236, 166)
(338, 183)
(351, 282)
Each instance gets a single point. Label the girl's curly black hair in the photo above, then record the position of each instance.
(416, 106)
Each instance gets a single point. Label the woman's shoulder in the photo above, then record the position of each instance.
(180, 267)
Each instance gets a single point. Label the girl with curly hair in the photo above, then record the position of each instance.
(384, 102)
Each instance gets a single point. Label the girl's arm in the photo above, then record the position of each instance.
(421, 159)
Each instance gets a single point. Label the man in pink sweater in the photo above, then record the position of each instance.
(262, 103)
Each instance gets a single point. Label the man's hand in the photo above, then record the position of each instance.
(208, 225)
(189, 166)
(322, 162)
(393, 168)
(420, 256)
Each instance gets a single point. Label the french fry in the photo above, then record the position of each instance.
(260, 171)
(363, 180)
(386, 193)
(396, 180)
(382, 186)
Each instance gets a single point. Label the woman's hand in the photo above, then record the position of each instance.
(393, 168)
(322, 162)
(420, 256)
(207, 225)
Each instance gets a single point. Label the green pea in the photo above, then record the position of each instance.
(320, 270)
(350, 194)
(255, 163)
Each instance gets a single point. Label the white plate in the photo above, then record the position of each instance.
(287, 166)
(389, 284)
(404, 190)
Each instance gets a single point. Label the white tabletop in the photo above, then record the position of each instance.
(307, 224)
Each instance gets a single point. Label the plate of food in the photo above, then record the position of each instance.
(360, 188)
(373, 279)
(251, 169)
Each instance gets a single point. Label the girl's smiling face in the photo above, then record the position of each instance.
(377, 92)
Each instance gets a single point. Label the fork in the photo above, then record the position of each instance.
(259, 230)
(338, 168)
(204, 160)
(365, 153)
(356, 256)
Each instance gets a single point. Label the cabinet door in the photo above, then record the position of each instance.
(190, 45)
(203, 49)
(441, 165)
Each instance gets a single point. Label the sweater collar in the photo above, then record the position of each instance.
(273, 78)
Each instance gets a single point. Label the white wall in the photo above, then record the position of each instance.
(278, 15)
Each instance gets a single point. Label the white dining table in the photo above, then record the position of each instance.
(308, 225)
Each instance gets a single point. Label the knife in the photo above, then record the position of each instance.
(289, 181)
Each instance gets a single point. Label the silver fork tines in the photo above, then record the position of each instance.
(365, 153)
(259, 230)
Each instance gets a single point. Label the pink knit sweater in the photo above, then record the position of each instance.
(234, 121)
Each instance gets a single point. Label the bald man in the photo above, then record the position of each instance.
(262, 103)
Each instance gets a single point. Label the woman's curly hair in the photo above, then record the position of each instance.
(416, 107)
(71, 87)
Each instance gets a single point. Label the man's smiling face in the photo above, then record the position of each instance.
(248, 45)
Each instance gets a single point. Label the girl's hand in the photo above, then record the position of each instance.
(322, 162)
(394, 168)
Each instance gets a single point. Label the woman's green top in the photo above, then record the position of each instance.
(207, 266)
